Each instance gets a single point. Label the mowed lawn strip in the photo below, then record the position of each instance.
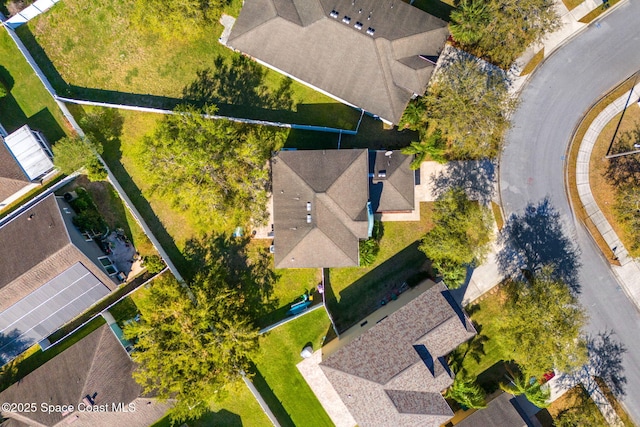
(276, 363)
(27, 102)
(107, 58)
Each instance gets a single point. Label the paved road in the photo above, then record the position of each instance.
(552, 103)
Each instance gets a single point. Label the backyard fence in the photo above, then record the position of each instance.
(30, 12)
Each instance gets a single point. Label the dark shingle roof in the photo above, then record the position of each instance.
(96, 364)
(34, 248)
(378, 73)
(335, 184)
(502, 411)
(395, 190)
(393, 373)
(12, 177)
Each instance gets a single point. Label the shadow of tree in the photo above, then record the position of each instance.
(625, 169)
(473, 348)
(246, 268)
(534, 239)
(605, 363)
(6, 79)
(239, 82)
(477, 179)
(11, 345)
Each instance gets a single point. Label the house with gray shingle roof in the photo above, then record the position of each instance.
(94, 376)
(322, 206)
(49, 274)
(391, 368)
(371, 54)
(25, 160)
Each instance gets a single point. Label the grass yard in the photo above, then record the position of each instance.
(35, 357)
(107, 58)
(27, 102)
(596, 12)
(356, 291)
(279, 381)
(484, 351)
(570, 399)
(572, 4)
(603, 191)
(533, 63)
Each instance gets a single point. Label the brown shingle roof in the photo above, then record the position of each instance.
(378, 73)
(34, 248)
(335, 184)
(12, 177)
(393, 373)
(395, 191)
(96, 364)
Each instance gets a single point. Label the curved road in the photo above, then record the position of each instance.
(532, 164)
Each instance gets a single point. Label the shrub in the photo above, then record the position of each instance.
(153, 263)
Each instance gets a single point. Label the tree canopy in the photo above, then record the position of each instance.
(468, 101)
(72, 154)
(216, 168)
(541, 325)
(461, 235)
(501, 30)
(467, 392)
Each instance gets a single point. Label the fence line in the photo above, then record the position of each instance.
(208, 116)
(27, 14)
(112, 179)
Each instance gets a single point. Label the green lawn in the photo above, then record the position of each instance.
(35, 357)
(279, 381)
(356, 291)
(108, 58)
(28, 102)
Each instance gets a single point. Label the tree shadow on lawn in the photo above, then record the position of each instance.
(112, 155)
(271, 399)
(364, 296)
(219, 418)
(534, 239)
(13, 117)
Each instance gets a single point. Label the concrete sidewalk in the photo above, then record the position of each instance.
(628, 273)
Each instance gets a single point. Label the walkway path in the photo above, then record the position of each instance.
(629, 270)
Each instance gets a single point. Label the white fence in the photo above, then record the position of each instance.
(30, 12)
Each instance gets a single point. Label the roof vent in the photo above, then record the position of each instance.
(370, 31)
(334, 14)
(308, 206)
(308, 218)
(358, 26)
(346, 19)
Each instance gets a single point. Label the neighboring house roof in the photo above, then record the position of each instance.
(393, 373)
(22, 161)
(502, 411)
(392, 181)
(377, 67)
(320, 207)
(45, 279)
(97, 364)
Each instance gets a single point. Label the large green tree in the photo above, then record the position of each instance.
(468, 100)
(216, 168)
(191, 342)
(461, 235)
(72, 154)
(541, 325)
(501, 30)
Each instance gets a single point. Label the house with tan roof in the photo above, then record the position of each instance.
(322, 207)
(391, 368)
(89, 384)
(371, 54)
(25, 162)
(49, 274)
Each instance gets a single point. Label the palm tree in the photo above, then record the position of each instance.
(414, 116)
(467, 393)
(535, 392)
(468, 21)
(433, 147)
